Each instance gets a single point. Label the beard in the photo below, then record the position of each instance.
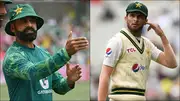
(27, 36)
(135, 30)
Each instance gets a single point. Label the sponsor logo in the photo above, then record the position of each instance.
(131, 50)
(44, 91)
(108, 51)
(44, 83)
(137, 67)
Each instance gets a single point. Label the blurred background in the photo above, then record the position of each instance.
(107, 18)
(58, 15)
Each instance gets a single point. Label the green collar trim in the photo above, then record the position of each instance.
(132, 41)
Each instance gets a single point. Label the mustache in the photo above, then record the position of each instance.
(2, 14)
(29, 28)
(2, 17)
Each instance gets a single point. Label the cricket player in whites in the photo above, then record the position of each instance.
(128, 56)
(3, 9)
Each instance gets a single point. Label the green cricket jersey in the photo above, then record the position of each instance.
(31, 75)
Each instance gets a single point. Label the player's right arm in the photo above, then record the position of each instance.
(113, 52)
(104, 82)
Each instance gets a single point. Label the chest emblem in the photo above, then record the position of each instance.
(148, 52)
(44, 83)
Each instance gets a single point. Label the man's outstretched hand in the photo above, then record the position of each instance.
(74, 45)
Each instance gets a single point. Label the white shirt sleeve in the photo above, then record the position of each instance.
(155, 52)
(113, 51)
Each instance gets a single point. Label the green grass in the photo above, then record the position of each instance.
(80, 92)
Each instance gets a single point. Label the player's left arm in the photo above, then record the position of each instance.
(62, 85)
(167, 57)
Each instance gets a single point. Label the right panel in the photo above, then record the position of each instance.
(125, 58)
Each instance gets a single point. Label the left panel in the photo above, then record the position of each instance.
(60, 17)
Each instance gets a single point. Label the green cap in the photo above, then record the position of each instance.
(137, 7)
(6, 1)
(21, 11)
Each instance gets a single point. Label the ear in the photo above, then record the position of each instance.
(12, 27)
(125, 18)
(146, 21)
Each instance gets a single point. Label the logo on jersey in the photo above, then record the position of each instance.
(131, 50)
(108, 51)
(137, 67)
(44, 83)
(148, 52)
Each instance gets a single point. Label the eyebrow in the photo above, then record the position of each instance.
(137, 13)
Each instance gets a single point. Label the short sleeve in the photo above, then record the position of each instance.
(155, 52)
(113, 51)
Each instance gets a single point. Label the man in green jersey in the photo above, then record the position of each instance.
(3, 9)
(30, 71)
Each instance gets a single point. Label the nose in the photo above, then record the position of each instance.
(29, 23)
(135, 19)
(2, 9)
